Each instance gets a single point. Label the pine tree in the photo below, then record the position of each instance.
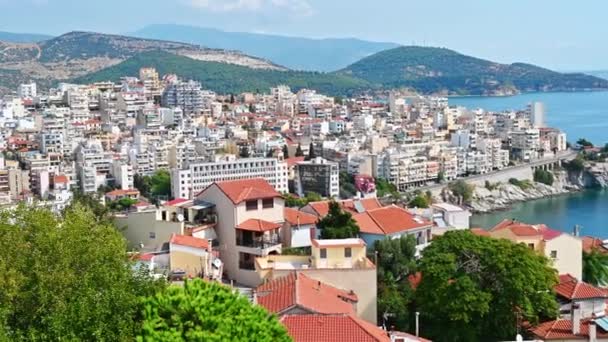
(299, 152)
(285, 152)
(311, 152)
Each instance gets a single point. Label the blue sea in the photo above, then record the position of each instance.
(579, 114)
(582, 114)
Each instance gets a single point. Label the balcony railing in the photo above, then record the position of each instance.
(258, 243)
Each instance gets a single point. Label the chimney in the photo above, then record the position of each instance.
(592, 331)
(575, 313)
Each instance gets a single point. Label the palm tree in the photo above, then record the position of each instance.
(595, 268)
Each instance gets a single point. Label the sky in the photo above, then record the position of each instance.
(563, 35)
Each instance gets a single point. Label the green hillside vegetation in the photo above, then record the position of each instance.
(228, 78)
(439, 70)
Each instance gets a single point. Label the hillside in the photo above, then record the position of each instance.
(293, 52)
(22, 37)
(599, 73)
(228, 78)
(438, 70)
(77, 54)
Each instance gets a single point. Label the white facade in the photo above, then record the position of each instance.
(186, 183)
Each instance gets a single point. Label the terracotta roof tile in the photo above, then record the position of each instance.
(480, 232)
(332, 328)
(295, 217)
(297, 289)
(257, 225)
(591, 243)
(322, 207)
(570, 288)
(388, 220)
(561, 329)
(246, 189)
(175, 202)
(189, 241)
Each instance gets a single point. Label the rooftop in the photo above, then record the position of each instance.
(326, 328)
(355, 242)
(246, 189)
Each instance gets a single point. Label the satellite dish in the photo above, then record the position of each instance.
(180, 218)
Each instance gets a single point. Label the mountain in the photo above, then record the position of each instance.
(439, 70)
(293, 52)
(228, 78)
(599, 73)
(76, 54)
(22, 37)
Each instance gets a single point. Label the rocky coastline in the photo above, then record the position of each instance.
(502, 196)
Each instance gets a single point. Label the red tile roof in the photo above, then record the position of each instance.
(60, 179)
(388, 220)
(246, 189)
(257, 225)
(570, 288)
(175, 202)
(332, 328)
(524, 229)
(120, 192)
(561, 329)
(293, 160)
(480, 232)
(322, 207)
(295, 217)
(298, 290)
(189, 241)
(591, 243)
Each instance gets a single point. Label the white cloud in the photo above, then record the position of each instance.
(301, 7)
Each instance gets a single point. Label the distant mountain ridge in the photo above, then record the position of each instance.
(22, 37)
(76, 54)
(443, 71)
(293, 52)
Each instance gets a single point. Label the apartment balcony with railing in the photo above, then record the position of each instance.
(258, 243)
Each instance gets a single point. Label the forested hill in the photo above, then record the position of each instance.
(439, 70)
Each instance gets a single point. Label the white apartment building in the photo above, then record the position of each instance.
(123, 174)
(92, 165)
(186, 95)
(27, 90)
(498, 158)
(186, 183)
(525, 144)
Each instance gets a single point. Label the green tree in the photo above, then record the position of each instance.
(244, 152)
(396, 261)
(474, 288)
(420, 201)
(312, 196)
(542, 176)
(299, 152)
(462, 189)
(576, 165)
(441, 177)
(67, 278)
(584, 142)
(251, 108)
(338, 224)
(311, 152)
(142, 183)
(595, 268)
(161, 183)
(207, 311)
(285, 152)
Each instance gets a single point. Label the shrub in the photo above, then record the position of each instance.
(542, 176)
(523, 184)
(463, 190)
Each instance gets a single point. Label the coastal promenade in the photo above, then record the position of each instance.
(520, 171)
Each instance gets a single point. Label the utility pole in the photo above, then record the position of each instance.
(417, 324)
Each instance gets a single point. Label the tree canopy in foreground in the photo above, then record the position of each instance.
(207, 311)
(66, 277)
(477, 288)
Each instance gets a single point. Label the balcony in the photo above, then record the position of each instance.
(262, 243)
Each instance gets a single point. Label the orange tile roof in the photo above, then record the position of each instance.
(332, 328)
(322, 207)
(591, 243)
(295, 217)
(257, 225)
(293, 160)
(246, 189)
(388, 220)
(189, 241)
(298, 290)
(120, 192)
(561, 329)
(524, 229)
(570, 288)
(175, 202)
(479, 232)
(60, 179)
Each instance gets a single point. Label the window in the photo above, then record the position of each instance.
(268, 203)
(251, 205)
(553, 254)
(323, 253)
(348, 252)
(152, 235)
(531, 245)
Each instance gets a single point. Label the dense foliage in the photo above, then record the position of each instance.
(67, 278)
(431, 70)
(475, 288)
(522, 184)
(543, 176)
(156, 186)
(338, 224)
(229, 78)
(395, 262)
(207, 311)
(298, 202)
(420, 201)
(463, 190)
(595, 268)
(385, 188)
